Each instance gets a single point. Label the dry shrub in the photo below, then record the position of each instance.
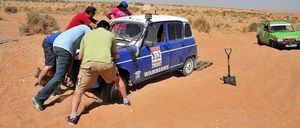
(297, 27)
(201, 25)
(219, 25)
(11, 9)
(293, 19)
(177, 12)
(263, 17)
(240, 21)
(212, 13)
(46, 10)
(227, 26)
(135, 9)
(37, 23)
(68, 9)
(253, 27)
(25, 9)
(242, 14)
(190, 20)
(244, 29)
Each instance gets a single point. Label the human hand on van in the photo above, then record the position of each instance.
(115, 55)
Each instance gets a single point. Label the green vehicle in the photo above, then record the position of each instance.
(278, 34)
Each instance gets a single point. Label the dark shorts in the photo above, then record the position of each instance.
(49, 54)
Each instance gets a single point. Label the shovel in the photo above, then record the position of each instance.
(229, 79)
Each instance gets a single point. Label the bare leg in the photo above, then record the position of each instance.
(121, 86)
(76, 99)
(43, 73)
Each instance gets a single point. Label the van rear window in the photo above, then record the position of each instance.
(187, 30)
(174, 30)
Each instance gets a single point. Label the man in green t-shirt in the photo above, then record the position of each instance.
(97, 48)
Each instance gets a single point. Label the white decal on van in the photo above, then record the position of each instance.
(137, 75)
(156, 57)
(157, 70)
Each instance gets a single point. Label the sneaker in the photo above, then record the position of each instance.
(38, 86)
(126, 101)
(37, 105)
(72, 85)
(72, 121)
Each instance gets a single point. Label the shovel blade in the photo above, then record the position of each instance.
(229, 80)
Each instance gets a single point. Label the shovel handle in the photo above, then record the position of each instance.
(228, 51)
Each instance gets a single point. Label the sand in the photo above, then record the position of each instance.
(267, 94)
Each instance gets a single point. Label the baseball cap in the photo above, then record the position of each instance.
(123, 4)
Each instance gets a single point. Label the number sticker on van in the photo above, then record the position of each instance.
(156, 57)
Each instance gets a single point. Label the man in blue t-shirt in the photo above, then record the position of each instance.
(64, 52)
(49, 57)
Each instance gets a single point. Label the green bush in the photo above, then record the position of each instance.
(37, 23)
(11, 9)
(201, 25)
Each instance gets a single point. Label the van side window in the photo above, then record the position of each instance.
(155, 33)
(188, 32)
(174, 30)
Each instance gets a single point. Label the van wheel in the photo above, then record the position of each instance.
(280, 46)
(110, 92)
(272, 44)
(188, 66)
(259, 41)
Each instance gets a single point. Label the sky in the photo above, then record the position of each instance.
(274, 5)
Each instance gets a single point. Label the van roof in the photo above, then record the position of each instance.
(155, 18)
(279, 22)
(276, 22)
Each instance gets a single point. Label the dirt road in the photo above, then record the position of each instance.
(267, 92)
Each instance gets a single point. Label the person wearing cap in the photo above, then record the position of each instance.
(84, 17)
(97, 48)
(120, 11)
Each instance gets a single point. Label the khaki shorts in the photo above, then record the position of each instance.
(90, 71)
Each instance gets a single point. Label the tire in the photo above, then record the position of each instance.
(259, 41)
(276, 45)
(188, 67)
(110, 92)
(272, 44)
(280, 46)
